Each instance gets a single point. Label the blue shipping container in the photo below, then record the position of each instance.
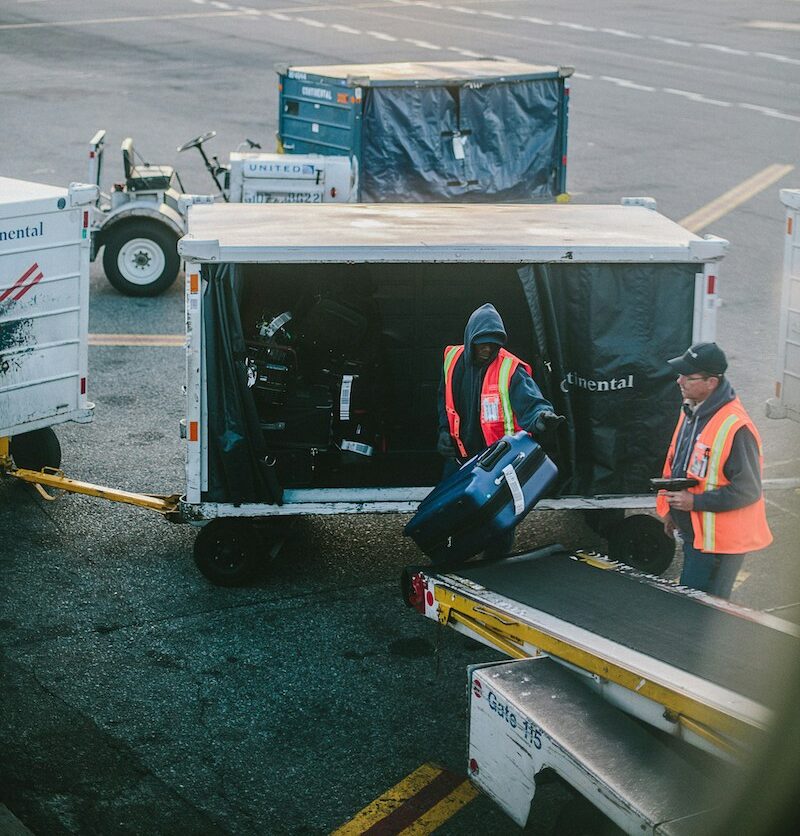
(463, 131)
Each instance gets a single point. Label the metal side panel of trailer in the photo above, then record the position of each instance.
(599, 277)
(44, 305)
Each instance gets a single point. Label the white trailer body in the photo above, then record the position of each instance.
(425, 236)
(44, 304)
(280, 178)
(786, 403)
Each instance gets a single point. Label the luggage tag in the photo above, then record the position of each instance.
(699, 462)
(512, 480)
(344, 397)
(490, 408)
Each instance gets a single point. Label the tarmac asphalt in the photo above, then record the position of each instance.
(138, 699)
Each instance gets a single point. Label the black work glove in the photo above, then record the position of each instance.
(548, 422)
(445, 446)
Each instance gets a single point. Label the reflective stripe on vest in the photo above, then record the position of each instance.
(498, 375)
(713, 479)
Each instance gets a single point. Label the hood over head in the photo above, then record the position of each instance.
(484, 326)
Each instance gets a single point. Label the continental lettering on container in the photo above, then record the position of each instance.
(316, 93)
(611, 384)
(20, 232)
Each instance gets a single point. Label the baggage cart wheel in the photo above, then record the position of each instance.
(228, 552)
(640, 542)
(141, 258)
(603, 520)
(580, 818)
(36, 449)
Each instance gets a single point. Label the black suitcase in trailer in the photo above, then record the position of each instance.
(487, 496)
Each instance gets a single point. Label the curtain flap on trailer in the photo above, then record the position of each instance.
(512, 138)
(479, 143)
(603, 334)
(237, 468)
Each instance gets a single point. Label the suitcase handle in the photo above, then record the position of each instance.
(489, 458)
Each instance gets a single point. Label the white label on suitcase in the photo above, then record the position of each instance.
(344, 397)
(516, 489)
(273, 327)
(357, 447)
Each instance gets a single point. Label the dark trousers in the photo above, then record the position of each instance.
(712, 573)
(501, 545)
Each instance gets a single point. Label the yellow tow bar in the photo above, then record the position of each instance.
(52, 477)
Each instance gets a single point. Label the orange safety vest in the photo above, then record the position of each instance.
(720, 532)
(497, 417)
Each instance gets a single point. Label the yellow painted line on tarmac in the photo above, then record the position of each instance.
(95, 21)
(417, 805)
(441, 812)
(735, 197)
(168, 340)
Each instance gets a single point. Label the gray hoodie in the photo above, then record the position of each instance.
(527, 400)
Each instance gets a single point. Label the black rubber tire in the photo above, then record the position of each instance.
(580, 818)
(36, 449)
(640, 542)
(159, 236)
(229, 552)
(603, 520)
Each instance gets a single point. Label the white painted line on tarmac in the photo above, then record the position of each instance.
(499, 15)
(696, 97)
(279, 16)
(622, 33)
(577, 26)
(467, 53)
(348, 30)
(735, 197)
(670, 41)
(726, 49)
(98, 21)
(777, 25)
(421, 44)
(381, 36)
(775, 57)
(631, 85)
(770, 111)
(307, 21)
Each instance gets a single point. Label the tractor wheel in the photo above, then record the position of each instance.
(141, 257)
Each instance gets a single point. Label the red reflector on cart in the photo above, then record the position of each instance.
(564, 160)
(712, 285)
(473, 766)
(83, 386)
(85, 218)
(193, 431)
(788, 226)
(194, 282)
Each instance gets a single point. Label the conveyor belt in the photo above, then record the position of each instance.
(733, 652)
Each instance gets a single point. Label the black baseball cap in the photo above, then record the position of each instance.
(703, 358)
(494, 337)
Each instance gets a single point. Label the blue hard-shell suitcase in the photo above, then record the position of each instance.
(486, 497)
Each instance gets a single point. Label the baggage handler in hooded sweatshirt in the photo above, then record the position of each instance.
(485, 393)
(723, 517)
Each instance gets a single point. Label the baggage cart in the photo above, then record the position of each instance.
(595, 297)
(44, 316)
(786, 403)
(459, 131)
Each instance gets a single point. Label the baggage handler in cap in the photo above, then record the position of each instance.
(485, 393)
(723, 517)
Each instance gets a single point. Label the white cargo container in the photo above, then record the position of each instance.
(44, 314)
(650, 288)
(281, 178)
(786, 403)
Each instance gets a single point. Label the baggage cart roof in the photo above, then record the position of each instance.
(19, 191)
(424, 73)
(426, 232)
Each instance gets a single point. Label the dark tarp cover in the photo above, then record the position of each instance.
(237, 469)
(605, 331)
(511, 133)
